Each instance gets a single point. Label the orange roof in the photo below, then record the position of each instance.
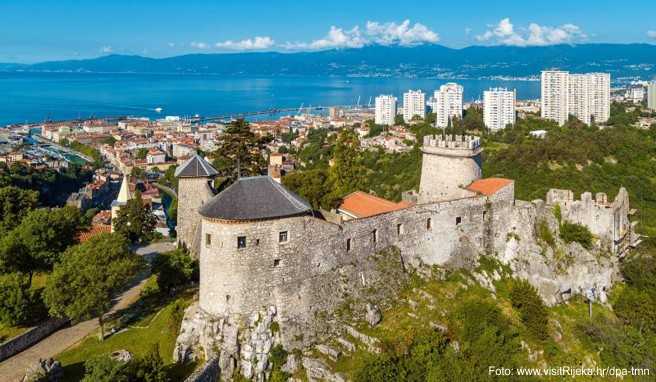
(93, 231)
(489, 186)
(362, 205)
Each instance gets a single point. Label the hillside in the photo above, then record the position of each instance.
(424, 61)
(453, 325)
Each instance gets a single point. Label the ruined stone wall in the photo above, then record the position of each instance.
(193, 193)
(607, 221)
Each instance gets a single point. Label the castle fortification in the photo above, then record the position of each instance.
(266, 257)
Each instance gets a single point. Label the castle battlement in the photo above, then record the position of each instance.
(468, 142)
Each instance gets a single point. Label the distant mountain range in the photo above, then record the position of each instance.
(425, 61)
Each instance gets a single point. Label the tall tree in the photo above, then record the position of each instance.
(83, 284)
(135, 220)
(15, 203)
(346, 172)
(38, 241)
(239, 148)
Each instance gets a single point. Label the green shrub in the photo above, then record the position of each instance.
(570, 232)
(18, 303)
(174, 269)
(532, 310)
(105, 369)
(544, 233)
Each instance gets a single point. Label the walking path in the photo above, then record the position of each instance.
(13, 369)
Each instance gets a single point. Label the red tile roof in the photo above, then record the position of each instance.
(361, 205)
(489, 186)
(95, 229)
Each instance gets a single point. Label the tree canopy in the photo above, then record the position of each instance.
(135, 220)
(88, 276)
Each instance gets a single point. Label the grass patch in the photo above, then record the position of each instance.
(160, 328)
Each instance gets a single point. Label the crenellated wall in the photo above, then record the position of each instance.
(607, 221)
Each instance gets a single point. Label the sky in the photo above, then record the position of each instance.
(39, 30)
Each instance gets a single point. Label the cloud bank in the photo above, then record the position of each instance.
(505, 33)
(389, 33)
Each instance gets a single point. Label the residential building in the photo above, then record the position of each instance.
(447, 103)
(635, 93)
(585, 96)
(651, 95)
(498, 108)
(414, 104)
(385, 110)
(555, 96)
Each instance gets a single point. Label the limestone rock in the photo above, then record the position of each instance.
(121, 356)
(371, 343)
(316, 370)
(291, 365)
(333, 354)
(47, 370)
(348, 345)
(373, 315)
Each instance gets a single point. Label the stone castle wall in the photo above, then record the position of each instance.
(607, 221)
(193, 193)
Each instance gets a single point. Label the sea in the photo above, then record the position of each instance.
(37, 97)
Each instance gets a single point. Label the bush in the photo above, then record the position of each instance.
(174, 269)
(532, 310)
(18, 303)
(544, 233)
(105, 369)
(570, 232)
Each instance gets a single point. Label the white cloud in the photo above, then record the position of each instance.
(401, 34)
(505, 33)
(651, 34)
(106, 49)
(257, 43)
(199, 45)
(374, 32)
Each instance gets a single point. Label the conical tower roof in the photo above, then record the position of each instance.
(124, 193)
(196, 167)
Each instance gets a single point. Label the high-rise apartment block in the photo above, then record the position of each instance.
(498, 108)
(414, 104)
(447, 103)
(585, 96)
(651, 95)
(385, 110)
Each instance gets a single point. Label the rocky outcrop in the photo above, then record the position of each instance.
(373, 315)
(242, 344)
(45, 370)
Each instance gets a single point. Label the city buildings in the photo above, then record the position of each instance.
(447, 103)
(555, 95)
(651, 95)
(385, 110)
(585, 96)
(414, 104)
(498, 108)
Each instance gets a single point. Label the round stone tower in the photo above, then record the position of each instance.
(449, 164)
(194, 190)
(249, 235)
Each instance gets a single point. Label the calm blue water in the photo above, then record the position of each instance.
(33, 97)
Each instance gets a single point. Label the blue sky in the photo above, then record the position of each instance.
(36, 30)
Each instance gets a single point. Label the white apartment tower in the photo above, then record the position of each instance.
(385, 110)
(585, 96)
(414, 103)
(498, 108)
(447, 103)
(555, 95)
(651, 95)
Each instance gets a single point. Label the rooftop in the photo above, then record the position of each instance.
(489, 186)
(361, 205)
(255, 198)
(195, 167)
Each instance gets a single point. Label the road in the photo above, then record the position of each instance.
(13, 369)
